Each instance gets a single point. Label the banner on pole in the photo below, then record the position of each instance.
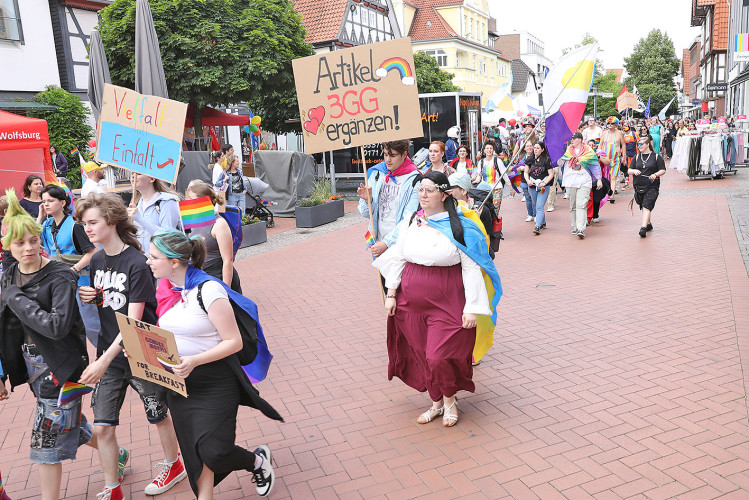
(139, 132)
(151, 351)
(358, 96)
(627, 100)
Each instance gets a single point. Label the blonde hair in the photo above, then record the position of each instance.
(229, 162)
(17, 220)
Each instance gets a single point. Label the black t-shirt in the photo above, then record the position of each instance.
(32, 207)
(124, 278)
(648, 165)
(540, 169)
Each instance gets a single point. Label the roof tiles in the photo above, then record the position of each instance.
(321, 18)
(720, 25)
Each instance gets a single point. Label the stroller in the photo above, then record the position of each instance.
(256, 206)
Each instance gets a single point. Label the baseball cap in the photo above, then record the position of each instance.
(461, 180)
(577, 135)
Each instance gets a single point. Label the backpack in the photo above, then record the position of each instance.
(234, 219)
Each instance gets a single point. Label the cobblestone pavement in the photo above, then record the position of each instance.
(618, 370)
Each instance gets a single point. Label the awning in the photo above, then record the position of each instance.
(25, 105)
(215, 118)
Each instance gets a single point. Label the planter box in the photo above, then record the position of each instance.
(253, 234)
(318, 215)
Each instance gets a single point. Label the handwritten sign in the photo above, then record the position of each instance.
(142, 133)
(150, 352)
(358, 96)
(627, 100)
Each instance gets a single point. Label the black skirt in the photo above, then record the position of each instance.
(206, 421)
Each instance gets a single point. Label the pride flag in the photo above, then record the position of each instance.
(515, 178)
(197, 213)
(71, 391)
(566, 91)
(64, 188)
(369, 239)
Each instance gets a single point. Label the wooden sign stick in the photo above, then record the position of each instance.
(371, 220)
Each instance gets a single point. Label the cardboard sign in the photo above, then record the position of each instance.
(703, 122)
(150, 351)
(627, 100)
(142, 133)
(358, 96)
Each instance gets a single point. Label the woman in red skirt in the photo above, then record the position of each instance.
(435, 291)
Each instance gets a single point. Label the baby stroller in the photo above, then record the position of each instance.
(256, 206)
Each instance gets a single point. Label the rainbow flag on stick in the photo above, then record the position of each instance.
(74, 151)
(369, 239)
(71, 391)
(197, 213)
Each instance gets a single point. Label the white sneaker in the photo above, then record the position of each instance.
(566, 196)
(529, 218)
(523, 198)
(596, 219)
(550, 209)
(263, 476)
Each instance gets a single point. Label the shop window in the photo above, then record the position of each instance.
(10, 21)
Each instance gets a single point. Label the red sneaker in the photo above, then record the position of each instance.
(110, 494)
(170, 475)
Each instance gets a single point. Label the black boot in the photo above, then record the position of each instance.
(643, 232)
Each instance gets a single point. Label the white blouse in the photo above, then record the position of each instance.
(426, 246)
(193, 331)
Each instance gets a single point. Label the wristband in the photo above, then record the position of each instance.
(390, 296)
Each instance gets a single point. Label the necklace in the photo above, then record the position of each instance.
(113, 266)
(645, 160)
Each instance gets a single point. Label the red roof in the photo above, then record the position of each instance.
(428, 24)
(321, 18)
(618, 72)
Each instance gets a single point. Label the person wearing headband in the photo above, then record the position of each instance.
(435, 295)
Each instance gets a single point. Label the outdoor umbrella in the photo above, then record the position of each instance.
(98, 73)
(149, 72)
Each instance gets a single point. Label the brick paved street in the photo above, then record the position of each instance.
(617, 370)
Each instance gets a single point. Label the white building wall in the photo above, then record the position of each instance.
(33, 65)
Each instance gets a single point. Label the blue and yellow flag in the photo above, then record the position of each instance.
(477, 249)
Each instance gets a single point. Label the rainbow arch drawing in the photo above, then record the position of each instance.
(398, 64)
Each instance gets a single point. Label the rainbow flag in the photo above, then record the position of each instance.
(197, 213)
(74, 151)
(92, 154)
(71, 391)
(369, 239)
(515, 178)
(1, 488)
(587, 158)
(66, 189)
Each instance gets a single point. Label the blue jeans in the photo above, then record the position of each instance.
(238, 200)
(529, 204)
(539, 200)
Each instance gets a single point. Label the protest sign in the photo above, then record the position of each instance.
(358, 96)
(142, 133)
(627, 100)
(150, 352)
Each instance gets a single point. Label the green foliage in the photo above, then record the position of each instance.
(606, 106)
(216, 52)
(652, 66)
(68, 128)
(321, 193)
(247, 219)
(430, 78)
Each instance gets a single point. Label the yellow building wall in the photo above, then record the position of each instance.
(452, 16)
(409, 13)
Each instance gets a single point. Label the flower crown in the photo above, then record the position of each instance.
(612, 119)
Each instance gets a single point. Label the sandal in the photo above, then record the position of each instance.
(430, 415)
(448, 420)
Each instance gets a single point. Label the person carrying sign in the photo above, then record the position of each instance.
(121, 282)
(213, 327)
(392, 192)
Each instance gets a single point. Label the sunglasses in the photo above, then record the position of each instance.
(641, 143)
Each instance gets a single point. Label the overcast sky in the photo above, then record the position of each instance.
(618, 25)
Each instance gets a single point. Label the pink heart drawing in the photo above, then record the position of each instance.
(316, 116)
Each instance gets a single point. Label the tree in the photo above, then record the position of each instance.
(605, 106)
(652, 66)
(430, 78)
(68, 127)
(216, 52)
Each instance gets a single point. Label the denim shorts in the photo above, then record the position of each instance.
(58, 431)
(109, 396)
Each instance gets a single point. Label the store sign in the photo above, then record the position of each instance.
(716, 87)
(695, 102)
(741, 47)
(358, 96)
(139, 132)
(741, 118)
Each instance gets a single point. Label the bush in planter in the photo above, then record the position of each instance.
(246, 219)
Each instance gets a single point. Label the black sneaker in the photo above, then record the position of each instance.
(537, 230)
(649, 227)
(643, 232)
(263, 476)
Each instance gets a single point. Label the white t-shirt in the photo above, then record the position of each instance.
(592, 133)
(217, 170)
(91, 186)
(193, 331)
(387, 204)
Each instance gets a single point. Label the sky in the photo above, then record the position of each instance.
(563, 23)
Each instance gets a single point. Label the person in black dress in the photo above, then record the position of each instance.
(647, 168)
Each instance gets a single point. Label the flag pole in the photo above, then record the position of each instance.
(371, 220)
(525, 139)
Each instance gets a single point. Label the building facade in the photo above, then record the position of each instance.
(738, 70)
(460, 36)
(712, 17)
(529, 49)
